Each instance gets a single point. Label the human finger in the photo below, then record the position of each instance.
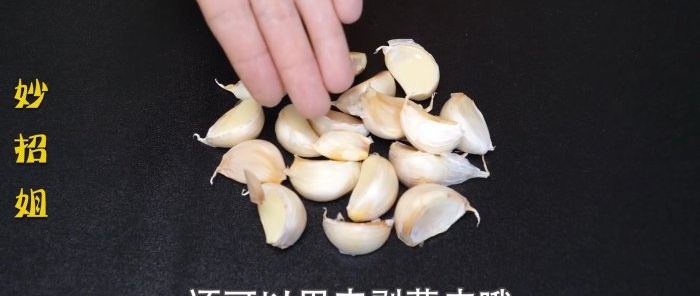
(348, 11)
(233, 24)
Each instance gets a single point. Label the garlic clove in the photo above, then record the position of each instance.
(343, 145)
(338, 121)
(323, 180)
(428, 132)
(461, 109)
(376, 190)
(260, 157)
(243, 122)
(239, 90)
(358, 60)
(426, 210)
(382, 82)
(281, 211)
(380, 113)
(294, 132)
(414, 167)
(413, 67)
(356, 238)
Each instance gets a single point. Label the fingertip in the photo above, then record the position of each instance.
(348, 11)
(313, 107)
(339, 80)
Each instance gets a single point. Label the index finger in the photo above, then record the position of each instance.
(291, 52)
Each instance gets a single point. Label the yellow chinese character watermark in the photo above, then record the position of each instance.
(32, 205)
(32, 149)
(36, 89)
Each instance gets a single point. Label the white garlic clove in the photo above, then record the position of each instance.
(380, 113)
(413, 67)
(243, 122)
(281, 211)
(323, 180)
(356, 238)
(376, 190)
(239, 90)
(476, 138)
(294, 132)
(358, 60)
(426, 210)
(382, 82)
(338, 121)
(427, 132)
(343, 145)
(260, 157)
(415, 167)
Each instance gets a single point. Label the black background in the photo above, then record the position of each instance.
(593, 108)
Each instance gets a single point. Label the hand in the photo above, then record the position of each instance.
(271, 52)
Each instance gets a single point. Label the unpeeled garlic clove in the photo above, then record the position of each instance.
(338, 121)
(382, 82)
(259, 157)
(413, 67)
(243, 122)
(356, 238)
(380, 113)
(294, 132)
(323, 180)
(426, 210)
(281, 211)
(414, 167)
(239, 90)
(476, 138)
(376, 190)
(343, 145)
(428, 132)
(358, 60)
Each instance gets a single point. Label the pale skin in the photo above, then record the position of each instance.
(293, 47)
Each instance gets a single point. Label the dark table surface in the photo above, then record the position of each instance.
(593, 107)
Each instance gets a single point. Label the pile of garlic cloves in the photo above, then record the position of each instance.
(333, 159)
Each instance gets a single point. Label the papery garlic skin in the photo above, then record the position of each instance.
(260, 157)
(294, 132)
(243, 122)
(239, 90)
(338, 121)
(380, 113)
(356, 238)
(343, 145)
(415, 167)
(382, 82)
(376, 190)
(281, 212)
(323, 180)
(426, 210)
(427, 132)
(358, 60)
(413, 68)
(461, 109)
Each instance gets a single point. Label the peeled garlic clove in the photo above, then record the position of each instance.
(356, 238)
(413, 67)
(239, 90)
(426, 210)
(382, 82)
(343, 145)
(243, 122)
(476, 138)
(381, 114)
(358, 60)
(323, 180)
(376, 190)
(428, 132)
(414, 167)
(338, 121)
(259, 157)
(294, 132)
(281, 212)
